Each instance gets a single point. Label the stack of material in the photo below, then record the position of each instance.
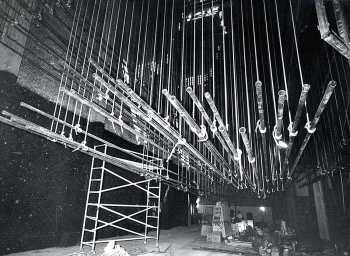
(206, 211)
(221, 219)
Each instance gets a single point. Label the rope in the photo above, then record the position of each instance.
(161, 62)
(144, 50)
(138, 46)
(270, 62)
(282, 60)
(171, 54)
(66, 57)
(298, 56)
(154, 66)
(213, 48)
(224, 53)
(182, 84)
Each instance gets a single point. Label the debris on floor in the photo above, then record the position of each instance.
(114, 250)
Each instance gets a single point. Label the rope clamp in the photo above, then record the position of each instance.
(203, 135)
(238, 156)
(251, 160)
(77, 129)
(213, 127)
(277, 138)
(290, 129)
(309, 129)
(258, 126)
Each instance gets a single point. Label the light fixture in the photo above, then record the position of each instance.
(197, 202)
(262, 209)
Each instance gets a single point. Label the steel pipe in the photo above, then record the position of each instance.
(312, 126)
(247, 144)
(222, 127)
(294, 126)
(159, 123)
(199, 131)
(259, 97)
(206, 117)
(280, 108)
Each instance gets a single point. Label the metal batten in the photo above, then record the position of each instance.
(247, 144)
(259, 98)
(312, 126)
(277, 131)
(294, 126)
(201, 132)
(222, 127)
(206, 116)
(160, 124)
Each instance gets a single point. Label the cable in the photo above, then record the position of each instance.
(298, 56)
(282, 60)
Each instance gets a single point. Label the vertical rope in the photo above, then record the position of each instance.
(153, 64)
(298, 56)
(162, 59)
(224, 56)
(282, 60)
(144, 49)
(138, 46)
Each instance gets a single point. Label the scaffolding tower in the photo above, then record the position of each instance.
(100, 214)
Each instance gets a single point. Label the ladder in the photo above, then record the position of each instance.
(93, 201)
(95, 218)
(154, 188)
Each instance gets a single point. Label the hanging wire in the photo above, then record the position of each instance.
(63, 84)
(224, 56)
(202, 66)
(154, 65)
(270, 61)
(122, 38)
(170, 61)
(161, 61)
(66, 58)
(182, 80)
(144, 49)
(341, 88)
(213, 48)
(282, 60)
(138, 46)
(235, 90)
(298, 56)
